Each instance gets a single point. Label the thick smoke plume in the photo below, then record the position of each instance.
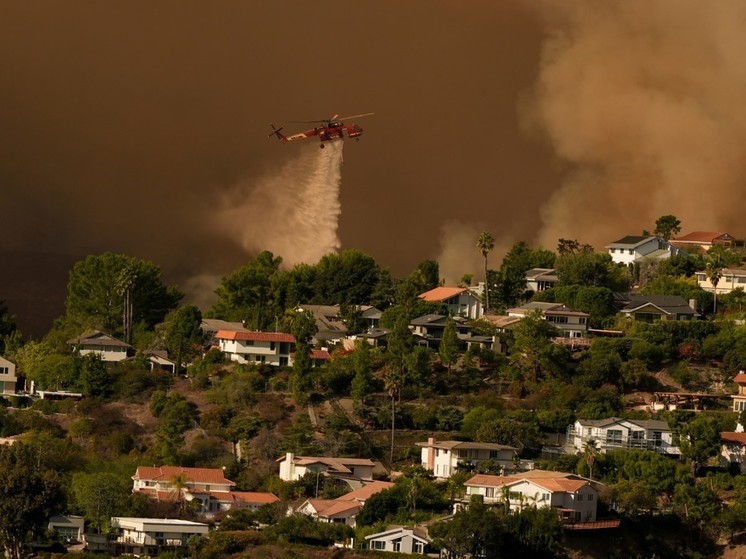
(294, 213)
(644, 102)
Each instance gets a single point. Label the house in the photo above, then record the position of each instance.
(631, 249)
(428, 332)
(444, 457)
(331, 510)
(574, 497)
(541, 279)
(702, 241)
(344, 508)
(109, 349)
(148, 536)
(158, 360)
(8, 379)
(730, 280)
(649, 308)
(330, 325)
(207, 486)
(739, 399)
(615, 433)
(271, 348)
(460, 301)
(294, 467)
(733, 450)
(68, 528)
(399, 539)
(572, 324)
(376, 337)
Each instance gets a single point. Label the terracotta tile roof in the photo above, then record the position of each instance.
(366, 491)
(194, 475)
(489, 480)
(733, 437)
(253, 497)
(441, 293)
(700, 236)
(338, 465)
(329, 508)
(320, 354)
(740, 378)
(255, 336)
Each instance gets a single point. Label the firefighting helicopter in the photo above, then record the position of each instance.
(328, 130)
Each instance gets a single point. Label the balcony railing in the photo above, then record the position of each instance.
(659, 445)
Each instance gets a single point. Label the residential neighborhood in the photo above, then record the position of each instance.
(368, 425)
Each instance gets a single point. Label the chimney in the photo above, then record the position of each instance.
(693, 304)
(431, 453)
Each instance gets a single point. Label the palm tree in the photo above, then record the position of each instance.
(485, 244)
(714, 271)
(179, 482)
(392, 383)
(590, 451)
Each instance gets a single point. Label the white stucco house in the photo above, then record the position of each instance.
(294, 467)
(443, 457)
(730, 280)
(574, 497)
(271, 348)
(207, 486)
(68, 527)
(8, 379)
(733, 450)
(460, 301)
(400, 539)
(631, 249)
(615, 433)
(108, 348)
(148, 536)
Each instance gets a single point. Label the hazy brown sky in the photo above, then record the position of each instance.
(130, 126)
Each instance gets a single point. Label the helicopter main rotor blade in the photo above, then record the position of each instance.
(355, 116)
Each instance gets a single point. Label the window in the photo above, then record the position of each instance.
(657, 438)
(580, 497)
(545, 496)
(739, 406)
(614, 436)
(419, 547)
(397, 546)
(490, 492)
(377, 544)
(4, 370)
(272, 346)
(493, 454)
(248, 343)
(590, 496)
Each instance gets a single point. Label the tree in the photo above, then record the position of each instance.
(349, 277)
(698, 440)
(590, 453)
(588, 268)
(532, 348)
(448, 349)
(7, 326)
(303, 327)
(485, 244)
(96, 299)
(667, 226)
(426, 275)
(248, 294)
(714, 270)
(27, 494)
(182, 337)
(99, 496)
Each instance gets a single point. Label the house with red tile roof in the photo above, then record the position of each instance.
(294, 467)
(271, 348)
(344, 508)
(702, 241)
(460, 301)
(208, 486)
(574, 497)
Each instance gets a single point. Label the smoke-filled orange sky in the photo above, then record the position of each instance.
(130, 126)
